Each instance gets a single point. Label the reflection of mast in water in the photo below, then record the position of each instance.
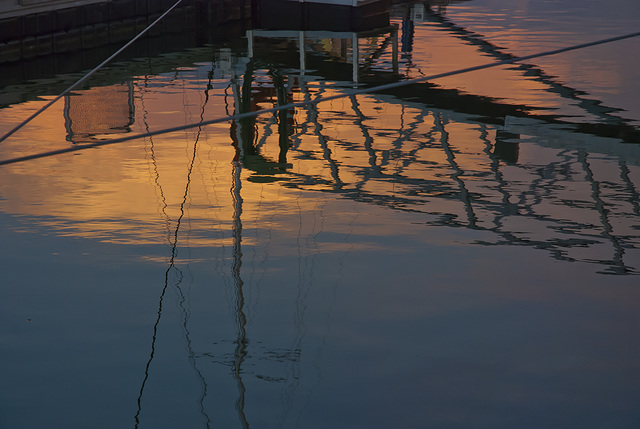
(240, 352)
(156, 172)
(243, 139)
(172, 267)
(406, 134)
(186, 314)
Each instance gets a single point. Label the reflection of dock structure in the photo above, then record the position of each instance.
(86, 118)
(546, 206)
(560, 206)
(344, 45)
(489, 199)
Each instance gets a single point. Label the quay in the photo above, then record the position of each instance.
(38, 28)
(63, 26)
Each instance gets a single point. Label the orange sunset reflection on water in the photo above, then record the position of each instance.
(370, 148)
(394, 151)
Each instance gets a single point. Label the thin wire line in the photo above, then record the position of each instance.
(86, 76)
(318, 100)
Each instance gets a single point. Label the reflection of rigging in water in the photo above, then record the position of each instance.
(503, 148)
(406, 152)
(247, 145)
(539, 191)
(243, 141)
(248, 142)
(612, 125)
(556, 247)
(247, 155)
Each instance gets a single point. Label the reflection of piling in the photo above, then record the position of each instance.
(507, 208)
(242, 134)
(440, 122)
(391, 39)
(240, 352)
(407, 34)
(322, 140)
(506, 146)
(630, 187)
(617, 265)
(283, 116)
(368, 141)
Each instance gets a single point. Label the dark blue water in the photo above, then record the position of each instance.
(462, 254)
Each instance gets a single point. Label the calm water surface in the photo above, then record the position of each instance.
(458, 254)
